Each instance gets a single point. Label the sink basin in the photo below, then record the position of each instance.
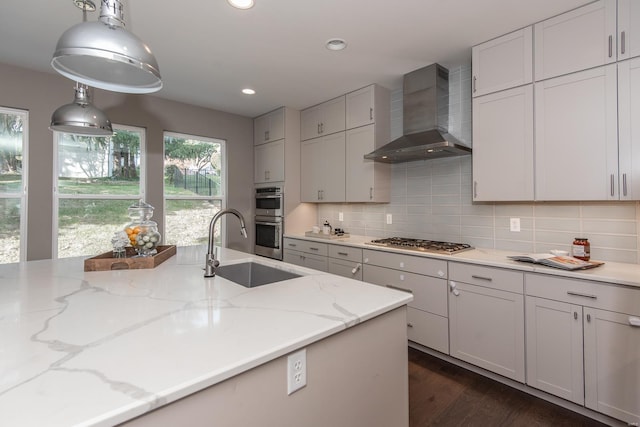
(252, 274)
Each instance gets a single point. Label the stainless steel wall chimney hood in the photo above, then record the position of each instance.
(425, 120)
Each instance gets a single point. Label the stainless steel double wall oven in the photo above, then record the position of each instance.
(269, 222)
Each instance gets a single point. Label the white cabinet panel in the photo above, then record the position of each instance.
(366, 180)
(269, 162)
(323, 169)
(486, 328)
(612, 364)
(503, 134)
(628, 29)
(269, 127)
(629, 128)
(576, 136)
(554, 348)
(323, 119)
(345, 268)
(428, 329)
(577, 40)
(502, 63)
(360, 107)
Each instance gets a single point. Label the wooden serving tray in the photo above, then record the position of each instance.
(105, 261)
(325, 236)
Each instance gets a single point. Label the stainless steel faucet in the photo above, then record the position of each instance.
(212, 263)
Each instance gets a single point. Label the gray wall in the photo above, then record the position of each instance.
(432, 200)
(41, 93)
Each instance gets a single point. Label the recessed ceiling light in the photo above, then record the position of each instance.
(248, 91)
(336, 44)
(241, 4)
(87, 5)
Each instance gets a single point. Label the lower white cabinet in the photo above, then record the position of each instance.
(427, 322)
(305, 253)
(345, 261)
(486, 318)
(571, 322)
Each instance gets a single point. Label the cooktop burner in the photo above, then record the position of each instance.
(421, 245)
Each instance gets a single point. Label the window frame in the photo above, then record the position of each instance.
(224, 175)
(57, 195)
(23, 194)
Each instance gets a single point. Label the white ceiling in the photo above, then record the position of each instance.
(208, 51)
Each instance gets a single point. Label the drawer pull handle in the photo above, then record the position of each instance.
(575, 315)
(577, 294)
(634, 321)
(399, 288)
(314, 249)
(488, 279)
(409, 325)
(343, 253)
(293, 245)
(356, 268)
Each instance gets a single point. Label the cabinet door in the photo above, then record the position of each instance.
(503, 63)
(261, 129)
(554, 348)
(344, 268)
(486, 328)
(629, 128)
(366, 180)
(316, 262)
(323, 169)
(333, 116)
(612, 364)
(269, 162)
(269, 127)
(503, 134)
(360, 107)
(577, 40)
(576, 136)
(310, 123)
(628, 29)
(293, 257)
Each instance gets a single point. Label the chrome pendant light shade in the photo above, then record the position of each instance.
(81, 117)
(105, 55)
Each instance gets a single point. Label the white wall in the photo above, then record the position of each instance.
(432, 200)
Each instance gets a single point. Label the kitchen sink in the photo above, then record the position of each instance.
(252, 274)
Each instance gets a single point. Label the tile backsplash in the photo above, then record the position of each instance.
(431, 199)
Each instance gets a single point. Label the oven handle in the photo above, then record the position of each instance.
(279, 196)
(268, 223)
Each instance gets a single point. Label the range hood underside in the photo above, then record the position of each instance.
(432, 144)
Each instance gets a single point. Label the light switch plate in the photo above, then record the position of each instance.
(340, 217)
(514, 224)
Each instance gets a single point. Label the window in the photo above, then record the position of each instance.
(194, 187)
(13, 184)
(97, 179)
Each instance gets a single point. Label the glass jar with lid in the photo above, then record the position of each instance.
(142, 231)
(581, 248)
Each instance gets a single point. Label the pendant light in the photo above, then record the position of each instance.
(105, 55)
(81, 117)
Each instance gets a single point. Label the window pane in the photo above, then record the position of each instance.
(85, 227)
(95, 165)
(192, 166)
(187, 221)
(11, 142)
(9, 230)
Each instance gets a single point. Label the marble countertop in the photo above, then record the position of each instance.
(98, 348)
(611, 272)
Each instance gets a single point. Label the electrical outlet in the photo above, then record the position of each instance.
(514, 224)
(296, 371)
(340, 217)
(389, 219)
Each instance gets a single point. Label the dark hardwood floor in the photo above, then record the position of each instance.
(442, 394)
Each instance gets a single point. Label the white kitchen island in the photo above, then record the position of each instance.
(157, 346)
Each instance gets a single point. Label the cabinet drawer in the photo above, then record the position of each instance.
(345, 252)
(496, 278)
(429, 293)
(346, 268)
(306, 246)
(293, 257)
(584, 292)
(428, 329)
(413, 264)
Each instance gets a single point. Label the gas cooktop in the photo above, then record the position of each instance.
(421, 245)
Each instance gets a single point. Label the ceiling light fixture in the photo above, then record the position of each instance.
(81, 117)
(87, 5)
(105, 55)
(336, 44)
(241, 4)
(248, 91)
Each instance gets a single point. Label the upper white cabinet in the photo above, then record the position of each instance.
(576, 136)
(269, 127)
(269, 162)
(503, 134)
(323, 169)
(628, 29)
(362, 106)
(629, 128)
(577, 40)
(323, 119)
(503, 63)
